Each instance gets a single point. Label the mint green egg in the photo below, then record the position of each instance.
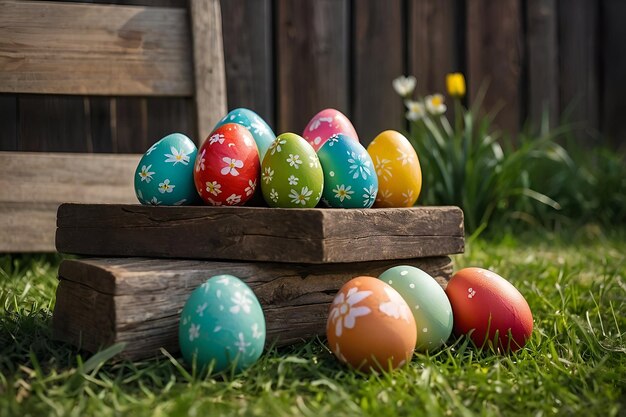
(291, 173)
(428, 302)
(222, 323)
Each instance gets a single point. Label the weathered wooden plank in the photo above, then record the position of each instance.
(27, 227)
(209, 72)
(247, 33)
(99, 124)
(259, 233)
(312, 71)
(614, 93)
(104, 301)
(121, 50)
(129, 119)
(579, 65)
(378, 59)
(543, 65)
(494, 56)
(8, 122)
(169, 115)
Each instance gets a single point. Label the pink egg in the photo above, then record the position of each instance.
(325, 124)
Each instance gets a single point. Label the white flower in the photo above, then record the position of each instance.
(405, 158)
(218, 137)
(294, 160)
(194, 332)
(166, 187)
(139, 195)
(256, 333)
(177, 156)
(251, 187)
(359, 166)
(274, 196)
(383, 195)
(415, 110)
(342, 192)
(180, 202)
(301, 198)
(293, 180)
(275, 146)
(213, 202)
(314, 161)
(382, 168)
(201, 308)
(404, 86)
(435, 105)
(206, 287)
(146, 174)
(268, 174)
(317, 122)
(408, 197)
(344, 311)
(369, 196)
(213, 187)
(200, 161)
(224, 281)
(241, 344)
(396, 307)
(231, 166)
(259, 127)
(241, 303)
(153, 147)
(333, 139)
(155, 202)
(233, 199)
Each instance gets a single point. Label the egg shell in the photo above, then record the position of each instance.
(428, 303)
(486, 303)
(227, 166)
(398, 169)
(325, 124)
(222, 321)
(261, 132)
(370, 326)
(291, 174)
(164, 175)
(349, 177)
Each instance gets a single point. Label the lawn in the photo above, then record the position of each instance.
(575, 363)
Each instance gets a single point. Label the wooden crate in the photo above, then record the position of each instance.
(295, 260)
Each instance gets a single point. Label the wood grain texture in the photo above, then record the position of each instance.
(121, 50)
(39, 183)
(543, 64)
(378, 59)
(312, 60)
(249, 50)
(8, 122)
(614, 66)
(209, 72)
(494, 56)
(108, 300)
(259, 233)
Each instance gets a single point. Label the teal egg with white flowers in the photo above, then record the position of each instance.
(164, 175)
(261, 132)
(350, 179)
(222, 325)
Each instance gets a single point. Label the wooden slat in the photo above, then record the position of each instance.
(379, 58)
(209, 72)
(99, 132)
(312, 70)
(138, 301)
(8, 121)
(494, 55)
(168, 115)
(543, 65)
(614, 104)
(39, 183)
(247, 33)
(64, 48)
(258, 233)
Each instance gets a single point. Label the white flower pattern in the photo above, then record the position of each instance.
(166, 187)
(231, 166)
(241, 303)
(369, 196)
(194, 332)
(294, 160)
(213, 187)
(275, 146)
(274, 195)
(177, 156)
(396, 307)
(251, 187)
(342, 192)
(302, 197)
(233, 199)
(200, 161)
(216, 138)
(359, 166)
(382, 168)
(293, 180)
(268, 175)
(344, 310)
(146, 174)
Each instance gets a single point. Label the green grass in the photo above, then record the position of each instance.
(575, 363)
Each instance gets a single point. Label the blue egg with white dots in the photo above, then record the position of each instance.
(350, 179)
(164, 175)
(261, 132)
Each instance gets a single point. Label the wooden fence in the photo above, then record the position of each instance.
(287, 59)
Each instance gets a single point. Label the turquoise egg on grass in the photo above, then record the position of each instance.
(429, 304)
(164, 175)
(261, 132)
(222, 323)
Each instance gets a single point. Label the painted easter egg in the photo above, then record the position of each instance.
(349, 177)
(428, 303)
(325, 124)
(261, 132)
(370, 326)
(227, 167)
(291, 175)
(164, 175)
(398, 170)
(486, 304)
(222, 324)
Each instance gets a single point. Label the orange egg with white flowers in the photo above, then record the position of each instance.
(370, 326)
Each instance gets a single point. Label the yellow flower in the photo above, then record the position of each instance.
(415, 110)
(435, 105)
(455, 83)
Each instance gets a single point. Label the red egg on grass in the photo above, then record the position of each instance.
(489, 307)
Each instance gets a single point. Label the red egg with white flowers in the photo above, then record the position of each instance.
(227, 166)
(491, 308)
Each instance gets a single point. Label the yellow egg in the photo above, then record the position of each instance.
(398, 169)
